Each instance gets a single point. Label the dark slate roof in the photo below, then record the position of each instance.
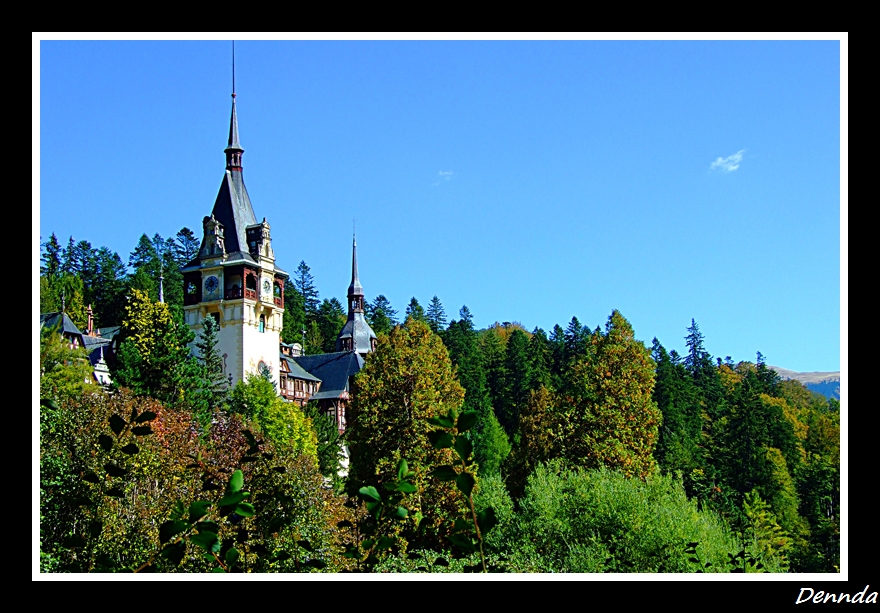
(233, 209)
(108, 332)
(93, 342)
(50, 320)
(357, 329)
(334, 370)
(238, 257)
(297, 371)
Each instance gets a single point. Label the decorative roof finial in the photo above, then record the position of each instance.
(234, 149)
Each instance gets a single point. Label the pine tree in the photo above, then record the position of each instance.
(305, 285)
(216, 381)
(436, 316)
(294, 322)
(50, 260)
(186, 246)
(68, 258)
(517, 376)
(331, 319)
(380, 315)
(144, 254)
(415, 310)
(677, 397)
(539, 357)
(108, 289)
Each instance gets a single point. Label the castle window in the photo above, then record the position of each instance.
(216, 317)
(262, 323)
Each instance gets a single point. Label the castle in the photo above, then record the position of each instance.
(235, 280)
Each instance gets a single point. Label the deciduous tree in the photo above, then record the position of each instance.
(408, 379)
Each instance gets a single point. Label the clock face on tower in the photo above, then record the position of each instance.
(266, 286)
(211, 284)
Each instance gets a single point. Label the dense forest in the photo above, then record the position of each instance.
(576, 449)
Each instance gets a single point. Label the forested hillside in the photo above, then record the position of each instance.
(573, 449)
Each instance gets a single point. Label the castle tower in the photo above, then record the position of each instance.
(356, 335)
(234, 278)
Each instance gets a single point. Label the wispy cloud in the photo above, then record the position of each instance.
(443, 175)
(728, 164)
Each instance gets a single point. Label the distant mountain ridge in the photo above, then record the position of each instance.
(826, 383)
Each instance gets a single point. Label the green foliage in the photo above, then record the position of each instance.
(605, 415)
(329, 442)
(304, 282)
(331, 319)
(491, 445)
(154, 356)
(64, 371)
(407, 380)
(435, 315)
(294, 314)
(126, 485)
(416, 311)
(768, 540)
(216, 384)
(282, 422)
(380, 315)
(576, 520)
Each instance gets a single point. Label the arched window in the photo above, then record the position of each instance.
(262, 323)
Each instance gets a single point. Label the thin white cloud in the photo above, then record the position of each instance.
(728, 164)
(443, 175)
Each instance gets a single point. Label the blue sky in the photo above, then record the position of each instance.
(532, 181)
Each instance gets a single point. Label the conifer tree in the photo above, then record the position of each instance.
(331, 319)
(380, 315)
(216, 381)
(186, 246)
(415, 310)
(517, 376)
(50, 260)
(436, 316)
(305, 285)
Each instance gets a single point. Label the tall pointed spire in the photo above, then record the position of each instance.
(356, 335)
(355, 288)
(233, 150)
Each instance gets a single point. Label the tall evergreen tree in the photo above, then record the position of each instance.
(517, 376)
(677, 397)
(576, 340)
(144, 254)
(216, 384)
(415, 310)
(331, 319)
(294, 323)
(558, 365)
(493, 353)
(68, 258)
(539, 358)
(108, 288)
(186, 246)
(305, 285)
(50, 260)
(380, 315)
(436, 316)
